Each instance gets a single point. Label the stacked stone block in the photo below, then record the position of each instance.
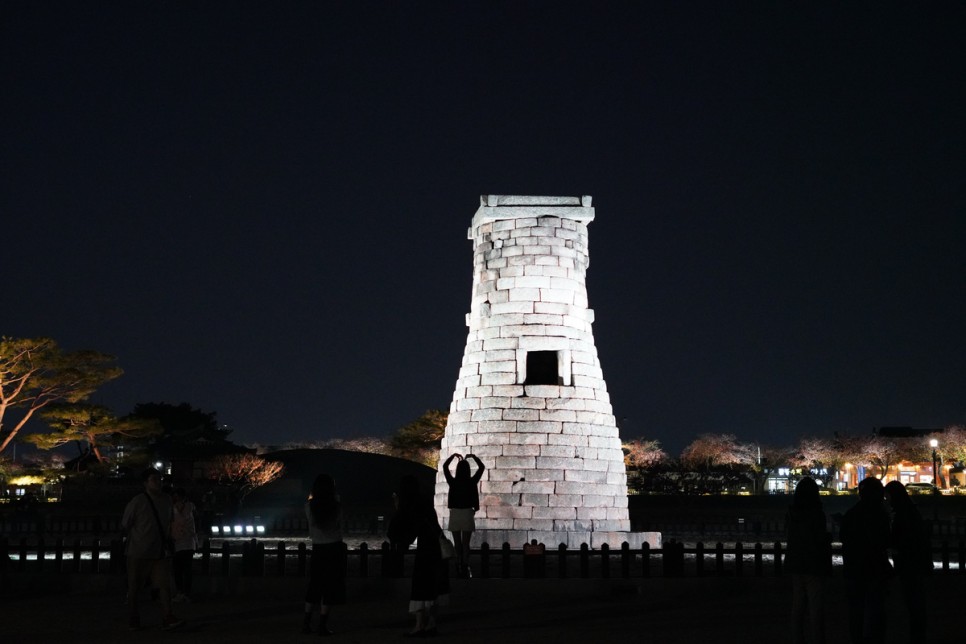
(555, 468)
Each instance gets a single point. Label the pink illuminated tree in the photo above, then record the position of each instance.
(642, 453)
(244, 473)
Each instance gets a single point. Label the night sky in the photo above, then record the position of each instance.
(261, 208)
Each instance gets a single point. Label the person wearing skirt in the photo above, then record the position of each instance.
(463, 502)
(327, 567)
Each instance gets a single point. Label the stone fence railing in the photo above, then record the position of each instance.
(266, 559)
(709, 529)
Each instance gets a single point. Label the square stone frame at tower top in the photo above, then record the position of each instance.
(530, 399)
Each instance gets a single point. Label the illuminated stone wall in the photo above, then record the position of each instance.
(555, 469)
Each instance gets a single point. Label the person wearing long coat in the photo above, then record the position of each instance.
(911, 552)
(865, 559)
(809, 560)
(416, 520)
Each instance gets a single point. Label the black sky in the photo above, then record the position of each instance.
(261, 208)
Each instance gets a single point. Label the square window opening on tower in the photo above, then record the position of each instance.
(542, 368)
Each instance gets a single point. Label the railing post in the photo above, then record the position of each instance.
(41, 554)
(205, 556)
(76, 556)
(485, 560)
(778, 559)
(253, 559)
(534, 560)
(562, 561)
(672, 554)
(605, 561)
(226, 558)
(363, 560)
(280, 559)
(625, 560)
(584, 561)
(302, 557)
(383, 559)
(23, 554)
(389, 562)
(945, 555)
(739, 558)
(505, 561)
(719, 559)
(759, 569)
(646, 559)
(59, 554)
(699, 559)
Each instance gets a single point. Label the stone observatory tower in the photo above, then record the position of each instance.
(530, 400)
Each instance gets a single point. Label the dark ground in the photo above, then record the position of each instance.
(713, 610)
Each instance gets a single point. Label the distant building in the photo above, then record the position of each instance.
(783, 480)
(909, 472)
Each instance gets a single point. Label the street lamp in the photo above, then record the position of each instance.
(934, 444)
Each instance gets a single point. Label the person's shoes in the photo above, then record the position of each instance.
(170, 622)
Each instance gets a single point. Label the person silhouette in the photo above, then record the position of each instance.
(909, 543)
(416, 520)
(463, 502)
(147, 527)
(866, 567)
(327, 568)
(183, 532)
(809, 560)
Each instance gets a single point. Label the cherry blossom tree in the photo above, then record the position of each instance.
(711, 450)
(816, 454)
(244, 473)
(642, 453)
